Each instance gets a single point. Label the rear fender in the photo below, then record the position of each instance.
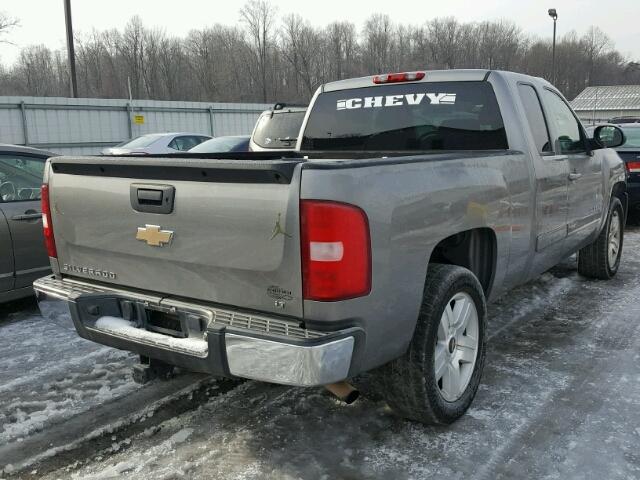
(412, 205)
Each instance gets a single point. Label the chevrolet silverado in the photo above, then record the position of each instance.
(409, 201)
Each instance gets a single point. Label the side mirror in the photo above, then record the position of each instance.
(609, 136)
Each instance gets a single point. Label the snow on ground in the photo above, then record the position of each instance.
(49, 374)
(559, 399)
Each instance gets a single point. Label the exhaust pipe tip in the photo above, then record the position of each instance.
(343, 391)
(352, 397)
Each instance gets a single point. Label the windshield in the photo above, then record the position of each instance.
(278, 131)
(222, 144)
(633, 137)
(413, 116)
(141, 142)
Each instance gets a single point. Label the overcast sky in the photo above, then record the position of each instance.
(42, 21)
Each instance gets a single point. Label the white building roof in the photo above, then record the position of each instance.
(615, 97)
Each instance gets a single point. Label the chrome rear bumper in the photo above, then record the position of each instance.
(230, 342)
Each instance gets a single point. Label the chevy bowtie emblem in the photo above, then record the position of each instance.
(154, 236)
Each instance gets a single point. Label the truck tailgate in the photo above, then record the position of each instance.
(232, 236)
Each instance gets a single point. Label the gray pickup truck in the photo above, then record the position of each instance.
(410, 200)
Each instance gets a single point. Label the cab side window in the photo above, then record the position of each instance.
(20, 178)
(535, 117)
(570, 138)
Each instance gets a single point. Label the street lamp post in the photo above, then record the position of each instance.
(70, 50)
(553, 14)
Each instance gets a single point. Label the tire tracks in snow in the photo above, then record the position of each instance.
(58, 369)
(145, 408)
(502, 462)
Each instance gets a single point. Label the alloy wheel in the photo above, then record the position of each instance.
(456, 346)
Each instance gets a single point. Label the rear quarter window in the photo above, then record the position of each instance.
(407, 117)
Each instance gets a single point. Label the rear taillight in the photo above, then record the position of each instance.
(633, 167)
(398, 77)
(47, 225)
(336, 251)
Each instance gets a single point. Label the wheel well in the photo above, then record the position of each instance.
(472, 249)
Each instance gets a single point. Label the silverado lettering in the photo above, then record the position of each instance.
(94, 272)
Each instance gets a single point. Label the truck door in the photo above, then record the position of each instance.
(6, 254)
(551, 185)
(20, 181)
(585, 172)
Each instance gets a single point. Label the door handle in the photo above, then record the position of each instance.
(574, 176)
(27, 216)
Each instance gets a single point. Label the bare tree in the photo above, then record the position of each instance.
(377, 43)
(596, 43)
(444, 41)
(7, 23)
(342, 45)
(153, 42)
(302, 46)
(202, 51)
(498, 44)
(259, 17)
(171, 66)
(131, 46)
(265, 59)
(36, 67)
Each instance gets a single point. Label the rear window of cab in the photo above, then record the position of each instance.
(405, 117)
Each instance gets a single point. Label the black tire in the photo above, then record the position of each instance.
(593, 260)
(408, 384)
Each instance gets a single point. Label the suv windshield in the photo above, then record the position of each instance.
(280, 130)
(406, 117)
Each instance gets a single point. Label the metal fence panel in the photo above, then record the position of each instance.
(87, 125)
(11, 124)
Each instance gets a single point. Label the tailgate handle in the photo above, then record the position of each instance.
(152, 198)
(149, 197)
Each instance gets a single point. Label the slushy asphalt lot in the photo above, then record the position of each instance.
(560, 398)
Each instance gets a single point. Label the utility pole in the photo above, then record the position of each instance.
(595, 106)
(71, 54)
(553, 14)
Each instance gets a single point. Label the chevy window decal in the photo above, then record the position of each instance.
(396, 100)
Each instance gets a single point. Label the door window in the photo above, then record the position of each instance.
(535, 117)
(20, 178)
(570, 139)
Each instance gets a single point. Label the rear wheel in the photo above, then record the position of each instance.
(601, 259)
(436, 380)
